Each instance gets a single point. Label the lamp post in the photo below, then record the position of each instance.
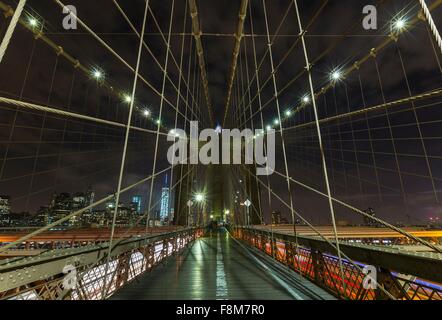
(200, 198)
(226, 213)
(189, 205)
(247, 203)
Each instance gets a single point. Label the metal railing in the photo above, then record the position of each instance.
(314, 259)
(80, 273)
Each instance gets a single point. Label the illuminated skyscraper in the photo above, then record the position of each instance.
(137, 200)
(164, 210)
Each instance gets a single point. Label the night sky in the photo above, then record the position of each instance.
(375, 159)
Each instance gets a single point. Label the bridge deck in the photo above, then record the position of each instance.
(215, 267)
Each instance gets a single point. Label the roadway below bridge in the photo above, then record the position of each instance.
(219, 267)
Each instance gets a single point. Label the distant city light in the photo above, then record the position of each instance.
(276, 122)
(146, 113)
(288, 113)
(306, 99)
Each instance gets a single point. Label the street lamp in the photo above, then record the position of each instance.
(199, 197)
(400, 24)
(32, 22)
(189, 205)
(127, 98)
(247, 204)
(306, 99)
(336, 75)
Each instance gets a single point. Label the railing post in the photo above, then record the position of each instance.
(289, 258)
(318, 266)
(390, 284)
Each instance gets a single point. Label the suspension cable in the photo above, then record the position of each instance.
(318, 130)
(431, 24)
(275, 89)
(11, 28)
(154, 166)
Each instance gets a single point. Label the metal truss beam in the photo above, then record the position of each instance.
(196, 31)
(236, 48)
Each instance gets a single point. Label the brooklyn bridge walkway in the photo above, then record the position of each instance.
(218, 267)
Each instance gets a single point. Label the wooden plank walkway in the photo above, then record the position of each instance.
(214, 267)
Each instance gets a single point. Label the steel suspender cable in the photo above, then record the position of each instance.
(42, 129)
(355, 151)
(258, 87)
(349, 70)
(16, 112)
(78, 212)
(115, 54)
(251, 122)
(166, 63)
(325, 239)
(126, 139)
(150, 51)
(390, 131)
(318, 129)
(418, 125)
(181, 76)
(182, 166)
(275, 88)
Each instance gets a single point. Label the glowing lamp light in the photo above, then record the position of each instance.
(276, 122)
(288, 113)
(97, 74)
(306, 99)
(146, 113)
(269, 127)
(127, 98)
(199, 197)
(158, 121)
(336, 75)
(400, 24)
(32, 22)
